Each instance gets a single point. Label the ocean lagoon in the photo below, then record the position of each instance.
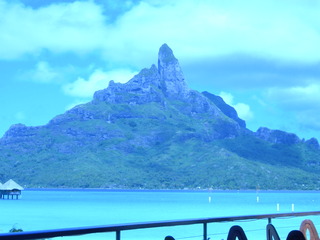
(53, 209)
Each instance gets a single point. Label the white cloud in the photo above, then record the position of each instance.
(227, 97)
(77, 26)
(42, 72)
(47, 73)
(297, 97)
(97, 80)
(212, 28)
(243, 110)
(308, 120)
(300, 102)
(286, 30)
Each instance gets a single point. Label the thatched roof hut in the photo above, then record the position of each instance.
(10, 188)
(11, 185)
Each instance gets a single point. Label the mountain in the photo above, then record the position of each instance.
(153, 132)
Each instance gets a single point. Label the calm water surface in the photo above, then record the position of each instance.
(39, 210)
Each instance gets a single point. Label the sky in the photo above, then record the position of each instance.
(262, 57)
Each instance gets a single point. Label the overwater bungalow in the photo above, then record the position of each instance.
(10, 189)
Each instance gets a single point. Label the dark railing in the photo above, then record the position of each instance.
(117, 228)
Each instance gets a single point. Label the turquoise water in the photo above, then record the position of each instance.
(40, 210)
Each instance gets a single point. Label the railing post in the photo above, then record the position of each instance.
(269, 220)
(118, 235)
(205, 235)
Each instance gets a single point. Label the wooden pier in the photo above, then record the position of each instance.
(10, 190)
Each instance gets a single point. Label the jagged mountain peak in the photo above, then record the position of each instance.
(166, 78)
(166, 55)
(142, 88)
(160, 85)
(171, 73)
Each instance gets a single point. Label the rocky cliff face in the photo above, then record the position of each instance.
(282, 137)
(225, 108)
(142, 88)
(313, 142)
(171, 74)
(277, 136)
(160, 85)
(150, 85)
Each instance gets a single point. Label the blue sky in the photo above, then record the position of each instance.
(262, 57)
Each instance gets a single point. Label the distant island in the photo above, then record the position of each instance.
(154, 132)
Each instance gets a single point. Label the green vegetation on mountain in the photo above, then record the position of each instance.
(155, 133)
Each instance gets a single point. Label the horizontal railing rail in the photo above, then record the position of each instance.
(117, 228)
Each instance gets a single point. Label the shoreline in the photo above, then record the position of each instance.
(169, 190)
